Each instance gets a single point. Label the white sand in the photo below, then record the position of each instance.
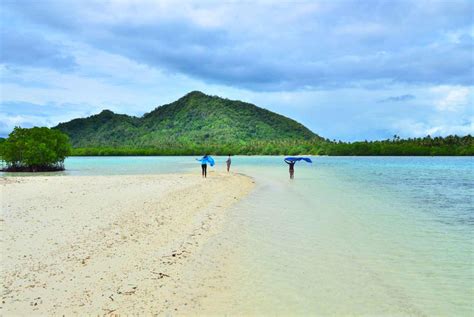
(109, 244)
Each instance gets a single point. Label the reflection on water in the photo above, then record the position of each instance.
(350, 235)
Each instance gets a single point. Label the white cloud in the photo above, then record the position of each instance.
(415, 128)
(443, 130)
(452, 98)
(7, 122)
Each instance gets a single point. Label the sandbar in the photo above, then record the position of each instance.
(109, 244)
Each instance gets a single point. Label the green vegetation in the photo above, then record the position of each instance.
(194, 120)
(283, 147)
(2, 162)
(35, 149)
(451, 145)
(438, 146)
(198, 123)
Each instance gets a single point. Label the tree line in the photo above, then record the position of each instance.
(451, 145)
(438, 146)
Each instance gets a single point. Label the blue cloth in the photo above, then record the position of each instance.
(296, 159)
(207, 160)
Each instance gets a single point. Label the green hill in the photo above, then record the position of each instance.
(194, 120)
(198, 123)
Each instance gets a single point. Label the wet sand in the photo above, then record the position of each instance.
(110, 244)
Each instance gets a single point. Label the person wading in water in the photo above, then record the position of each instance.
(291, 164)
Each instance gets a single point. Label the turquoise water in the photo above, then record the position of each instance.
(355, 236)
(117, 165)
(348, 236)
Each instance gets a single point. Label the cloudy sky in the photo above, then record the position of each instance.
(348, 70)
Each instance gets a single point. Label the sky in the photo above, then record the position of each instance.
(348, 70)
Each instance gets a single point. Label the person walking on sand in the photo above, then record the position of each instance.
(291, 164)
(204, 160)
(228, 162)
(204, 167)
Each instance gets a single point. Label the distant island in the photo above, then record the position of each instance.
(194, 124)
(198, 123)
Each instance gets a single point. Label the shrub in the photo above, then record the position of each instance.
(35, 149)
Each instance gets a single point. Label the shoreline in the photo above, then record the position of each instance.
(110, 244)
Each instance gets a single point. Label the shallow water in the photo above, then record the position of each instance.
(349, 235)
(356, 236)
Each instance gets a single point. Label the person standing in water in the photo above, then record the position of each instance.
(228, 162)
(291, 164)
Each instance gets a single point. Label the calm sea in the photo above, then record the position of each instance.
(348, 236)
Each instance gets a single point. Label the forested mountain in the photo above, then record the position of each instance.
(194, 120)
(198, 123)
